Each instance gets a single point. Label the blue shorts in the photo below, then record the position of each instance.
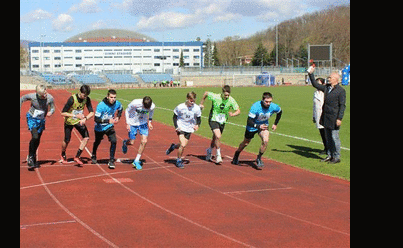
(32, 122)
(142, 129)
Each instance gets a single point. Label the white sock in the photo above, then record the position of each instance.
(138, 157)
(219, 152)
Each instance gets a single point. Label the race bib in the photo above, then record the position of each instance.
(76, 112)
(220, 118)
(39, 114)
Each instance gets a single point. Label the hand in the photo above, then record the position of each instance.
(196, 127)
(338, 122)
(49, 114)
(80, 116)
(263, 127)
(274, 127)
(150, 126)
(82, 121)
(128, 127)
(311, 69)
(201, 106)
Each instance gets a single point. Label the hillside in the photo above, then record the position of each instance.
(323, 27)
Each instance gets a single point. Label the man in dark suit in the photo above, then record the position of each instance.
(332, 113)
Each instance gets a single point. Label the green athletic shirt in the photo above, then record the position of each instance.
(220, 108)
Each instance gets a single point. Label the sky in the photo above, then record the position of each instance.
(163, 20)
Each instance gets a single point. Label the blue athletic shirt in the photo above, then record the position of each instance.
(261, 115)
(106, 112)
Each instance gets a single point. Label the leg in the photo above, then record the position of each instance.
(33, 146)
(183, 141)
(66, 141)
(264, 135)
(142, 146)
(337, 146)
(323, 136)
(98, 138)
(82, 129)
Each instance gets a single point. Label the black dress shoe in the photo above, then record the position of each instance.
(334, 161)
(327, 159)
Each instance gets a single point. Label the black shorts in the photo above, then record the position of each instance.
(250, 135)
(186, 134)
(110, 132)
(214, 125)
(82, 129)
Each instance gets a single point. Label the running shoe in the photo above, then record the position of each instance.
(170, 149)
(137, 165)
(259, 162)
(218, 159)
(78, 160)
(179, 164)
(111, 164)
(208, 155)
(63, 159)
(31, 163)
(235, 160)
(93, 159)
(124, 146)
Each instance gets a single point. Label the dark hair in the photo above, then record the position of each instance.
(191, 95)
(226, 88)
(147, 101)
(322, 80)
(267, 95)
(85, 89)
(111, 91)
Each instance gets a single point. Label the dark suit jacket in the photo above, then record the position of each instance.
(334, 104)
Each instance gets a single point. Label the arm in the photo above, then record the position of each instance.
(150, 118)
(175, 120)
(313, 81)
(342, 107)
(278, 117)
(24, 98)
(66, 107)
(201, 105)
(51, 103)
(237, 112)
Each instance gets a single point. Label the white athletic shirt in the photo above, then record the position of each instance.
(136, 115)
(187, 116)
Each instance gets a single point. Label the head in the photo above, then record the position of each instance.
(321, 81)
(334, 78)
(111, 96)
(41, 91)
(147, 101)
(190, 98)
(226, 91)
(84, 91)
(267, 98)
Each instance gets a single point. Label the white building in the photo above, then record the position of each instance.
(137, 57)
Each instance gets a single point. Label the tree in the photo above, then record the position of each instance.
(181, 60)
(261, 56)
(216, 60)
(23, 57)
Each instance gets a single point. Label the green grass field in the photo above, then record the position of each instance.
(296, 122)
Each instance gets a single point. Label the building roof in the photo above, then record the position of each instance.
(109, 35)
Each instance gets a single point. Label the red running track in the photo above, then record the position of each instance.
(203, 205)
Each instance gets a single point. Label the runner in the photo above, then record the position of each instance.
(36, 118)
(139, 114)
(104, 125)
(258, 122)
(221, 104)
(73, 112)
(187, 119)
